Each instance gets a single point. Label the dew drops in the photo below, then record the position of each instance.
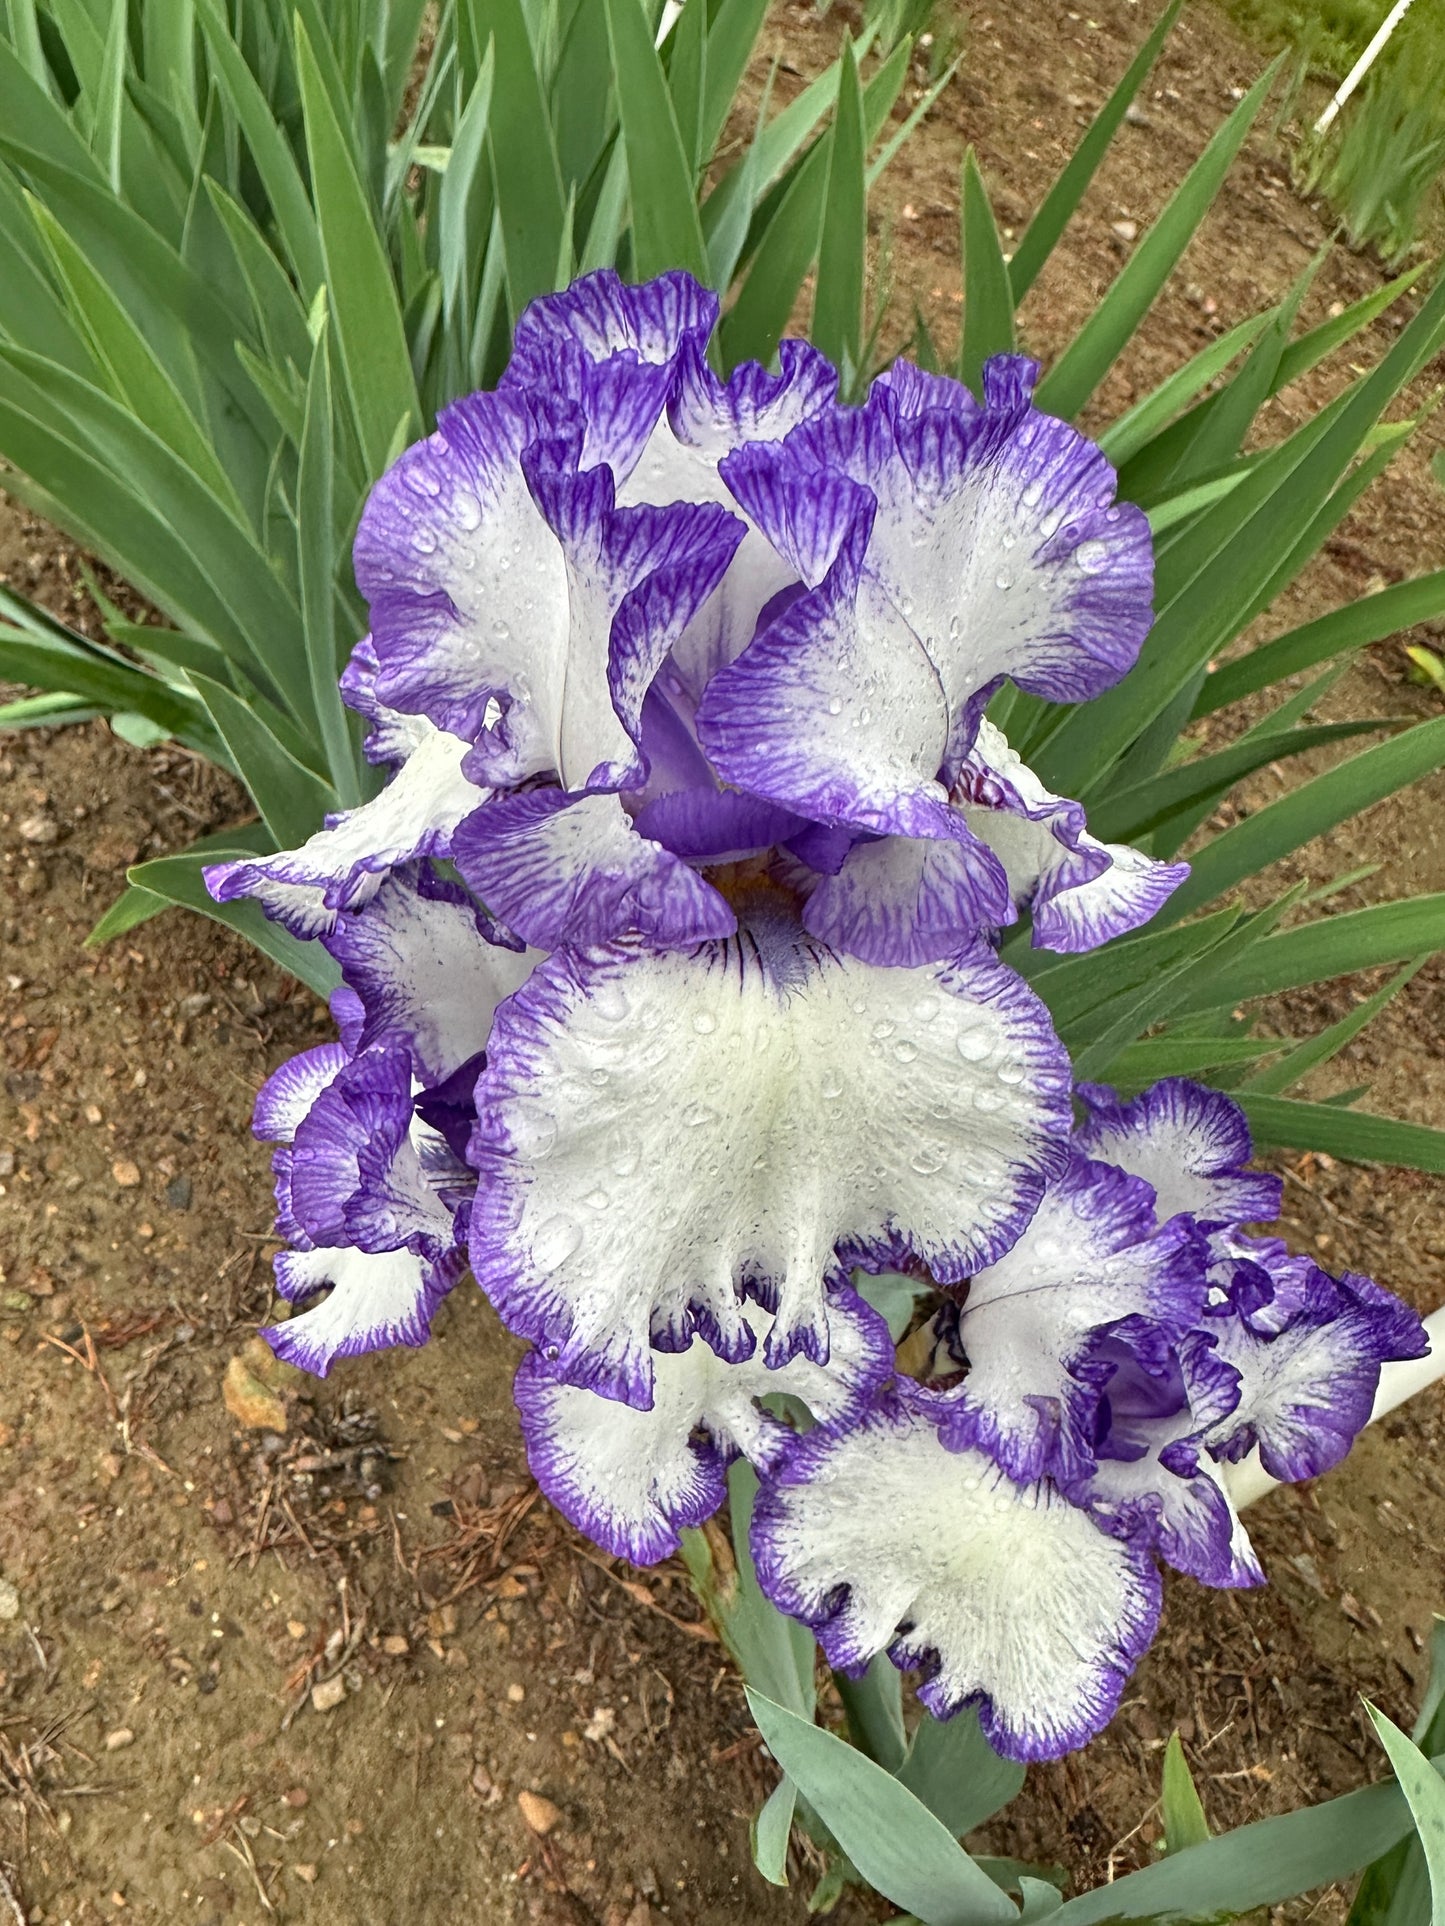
(423, 541)
(1011, 1073)
(973, 1046)
(597, 1200)
(925, 1009)
(1032, 495)
(609, 1001)
(883, 1029)
(905, 1050)
(1004, 579)
(831, 1086)
(987, 1099)
(532, 1129)
(704, 1023)
(926, 1161)
(835, 706)
(597, 1078)
(697, 1114)
(554, 1242)
(1091, 556)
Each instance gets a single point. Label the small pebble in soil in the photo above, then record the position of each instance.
(1126, 230)
(539, 1813)
(118, 1740)
(9, 1600)
(178, 1193)
(327, 1694)
(41, 830)
(125, 1173)
(516, 1693)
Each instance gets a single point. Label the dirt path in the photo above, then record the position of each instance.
(181, 1590)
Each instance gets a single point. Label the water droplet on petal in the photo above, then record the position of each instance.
(973, 1046)
(554, 1242)
(597, 1200)
(904, 1050)
(704, 1023)
(1091, 556)
(835, 706)
(697, 1114)
(532, 1129)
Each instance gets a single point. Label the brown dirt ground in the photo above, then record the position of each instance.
(182, 1586)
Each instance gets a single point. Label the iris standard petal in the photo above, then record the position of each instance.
(658, 1134)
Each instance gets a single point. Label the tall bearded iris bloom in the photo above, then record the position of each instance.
(671, 1004)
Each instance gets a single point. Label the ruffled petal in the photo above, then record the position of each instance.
(288, 1093)
(600, 315)
(1009, 1598)
(1152, 1482)
(633, 1479)
(1192, 1144)
(1090, 1258)
(997, 540)
(835, 711)
(1082, 892)
(657, 1133)
(467, 585)
(635, 578)
(343, 865)
(909, 900)
(1306, 1391)
(568, 869)
(376, 1299)
(429, 967)
(356, 1175)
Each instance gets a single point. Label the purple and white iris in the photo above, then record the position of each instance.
(671, 1003)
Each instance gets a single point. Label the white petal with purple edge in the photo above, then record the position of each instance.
(572, 869)
(426, 972)
(909, 900)
(655, 1131)
(632, 1479)
(1192, 1144)
(343, 865)
(377, 1299)
(836, 711)
(288, 1093)
(1090, 1257)
(997, 539)
(1082, 892)
(467, 587)
(1008, 1597)
(1307, 1391)
(1189, 1516)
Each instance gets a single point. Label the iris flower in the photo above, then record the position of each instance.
(672, 1005)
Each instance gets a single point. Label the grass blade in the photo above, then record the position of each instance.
(1285, 1123)
(1371, 619)
(1098, 344)
(1250, 846)
(1309, 1055)
(1331, 946)
(1135, 429)
(666, 231)
(178, 880)
(317, 560)
(1062, 200)
(988, 312)
(843, 244)
(528, 180)
(362, 295)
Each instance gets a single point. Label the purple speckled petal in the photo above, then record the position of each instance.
(602, 316)
(909, 390)
(1082, 892)
(909, 900)
(1152, 1482)
(1306, 1391)
(343, 865)
(658, 1134)
(632, 1479)
(288, 1093)
(567, 869)
(996, 538)
(376, 1299)
(1192, 1144)
(882, 1539)
(428, 967)
(835, 711)
(356, 1174)
(1090, 1257)
(714, 825)
(635, 578)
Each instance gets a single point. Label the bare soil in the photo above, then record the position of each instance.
(329, 1675)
